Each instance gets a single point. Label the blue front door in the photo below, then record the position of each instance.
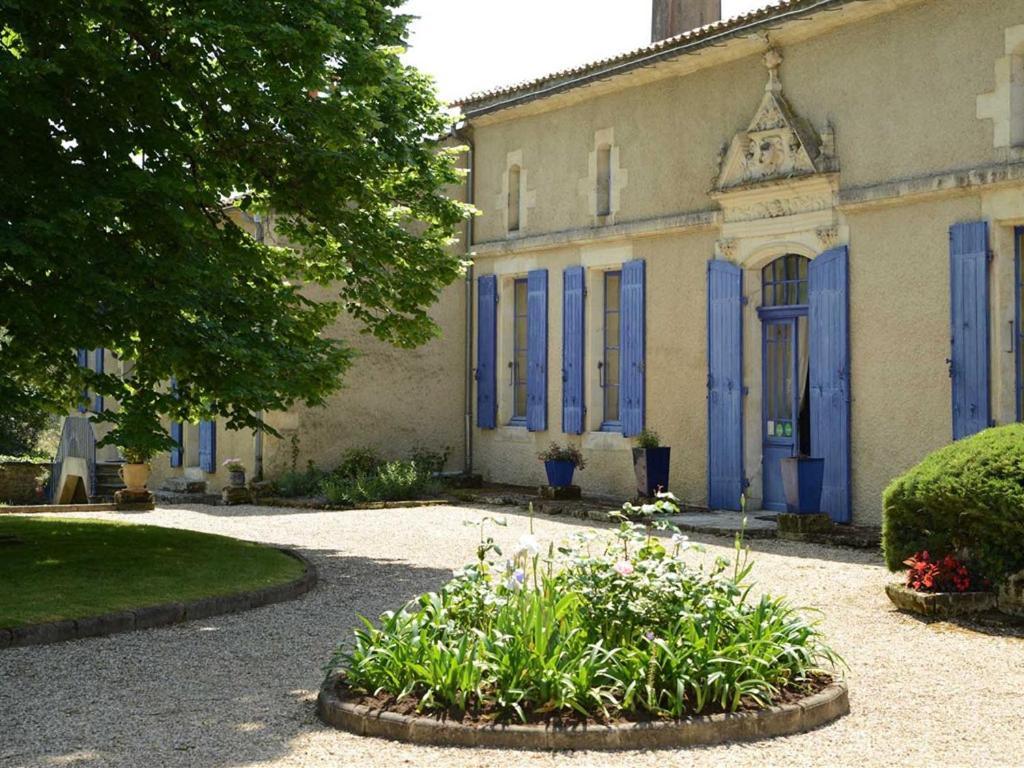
(781, 404)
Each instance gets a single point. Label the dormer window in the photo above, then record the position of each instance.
(604, 180)
(515, 197)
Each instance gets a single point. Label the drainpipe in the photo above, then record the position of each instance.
(470, 184)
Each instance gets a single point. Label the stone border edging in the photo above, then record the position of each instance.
(809, 713)
(162, 615)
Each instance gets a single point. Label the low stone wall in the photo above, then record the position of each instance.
(811, 712)
(19, 481)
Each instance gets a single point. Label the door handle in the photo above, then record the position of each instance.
(511, 374)
(600, 374)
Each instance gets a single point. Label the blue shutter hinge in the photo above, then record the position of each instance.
(744, 301)
(746, 482)
(990, 255)
(585, 292)
(746, 391)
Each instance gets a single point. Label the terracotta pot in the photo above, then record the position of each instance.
(135, 476)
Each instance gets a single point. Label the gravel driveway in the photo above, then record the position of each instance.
(239, 690)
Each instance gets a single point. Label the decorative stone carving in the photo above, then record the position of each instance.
(776, 207)
(777, 144)
(828, 237)
(727, 247)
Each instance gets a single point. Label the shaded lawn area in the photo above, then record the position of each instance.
(56, 568)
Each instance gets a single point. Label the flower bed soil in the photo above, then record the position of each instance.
(386, 702)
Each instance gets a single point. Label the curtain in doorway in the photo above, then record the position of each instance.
(803, 377)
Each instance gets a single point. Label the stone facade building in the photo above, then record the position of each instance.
(794, 231)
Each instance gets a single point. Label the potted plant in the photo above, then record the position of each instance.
(560, 462)
(236, 470)
(802, 477)
(650, 464)
(135, 470)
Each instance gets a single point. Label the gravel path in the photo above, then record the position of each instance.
(239, 690)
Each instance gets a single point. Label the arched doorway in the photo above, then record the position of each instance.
(785, 356)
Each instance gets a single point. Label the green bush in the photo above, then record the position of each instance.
(391, 481)
(965, 499)
(627, 627)
(300, 482)
(356, 462)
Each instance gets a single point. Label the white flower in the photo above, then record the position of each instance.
(529, 545)
(623, 567)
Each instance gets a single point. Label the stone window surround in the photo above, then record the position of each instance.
(1004, 105)
(588, 185)
(527, 196)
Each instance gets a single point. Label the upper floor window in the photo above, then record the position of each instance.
(514, 197)
(784, 281)
(609, 364)
(604, 180)
(520, 336)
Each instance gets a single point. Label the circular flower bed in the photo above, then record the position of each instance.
(596, 631)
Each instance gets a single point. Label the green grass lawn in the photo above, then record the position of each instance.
(59, 568)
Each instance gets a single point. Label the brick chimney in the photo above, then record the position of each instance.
(673, 17)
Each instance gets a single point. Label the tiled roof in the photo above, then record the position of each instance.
(497, 98)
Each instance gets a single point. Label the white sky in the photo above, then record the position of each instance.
(508, 41)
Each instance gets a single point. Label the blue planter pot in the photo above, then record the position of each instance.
(559, 473)
(651, 468)
(802, 478)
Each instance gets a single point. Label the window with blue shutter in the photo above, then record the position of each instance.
(572, 350)
(83, 362)
(486, 368)
(208, 446)
(537, 351)
(177, 435)
(520, 363)
(726, 481)
(609, 366)
(632, 353)
(99, 368)
(969, 320)
(828, 316)
(1018, 336)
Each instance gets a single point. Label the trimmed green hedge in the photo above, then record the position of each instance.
(968, 496)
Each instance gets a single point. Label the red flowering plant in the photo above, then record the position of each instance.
(946, 574)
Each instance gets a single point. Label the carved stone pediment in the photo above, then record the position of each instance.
(777, 145)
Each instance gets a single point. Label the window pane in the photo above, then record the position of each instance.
(611, 331)
(611, 404)
(611, 291)
(611, 368)
(520, 408)
(520, 297)
(520, 332)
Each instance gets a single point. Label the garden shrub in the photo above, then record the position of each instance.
(390, 481)
(599, 627)
(356, 462)
(294, 483)
(965, 499)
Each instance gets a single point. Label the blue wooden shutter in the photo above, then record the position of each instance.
(969, 366)
(83, 362)
(829, 327)
(486, 353)
(98, 401)
(725, 385)
(177, 434)
(631, 356)
(572, 351)
(537, 350)
(208, 446)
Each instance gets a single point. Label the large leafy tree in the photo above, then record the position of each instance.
(126, 126)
